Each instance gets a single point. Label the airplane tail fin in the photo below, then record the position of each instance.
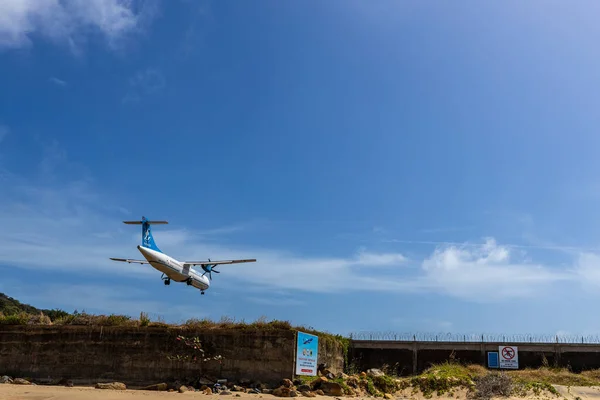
(147, 238)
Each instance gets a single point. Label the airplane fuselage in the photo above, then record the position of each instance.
(173, 268)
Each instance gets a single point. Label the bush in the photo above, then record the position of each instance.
(443, 378)
(39, 319)
(493, 384)
(21, 318)
(144, 319)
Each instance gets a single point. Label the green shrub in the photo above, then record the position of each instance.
(21, 318)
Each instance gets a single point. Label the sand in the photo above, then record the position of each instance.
(39, 392)
(26, 392)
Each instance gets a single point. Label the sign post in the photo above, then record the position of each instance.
(307, 353)
(509, 357)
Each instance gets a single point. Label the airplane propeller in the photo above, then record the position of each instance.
(210, 270)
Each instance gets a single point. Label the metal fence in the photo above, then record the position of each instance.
(486, 338)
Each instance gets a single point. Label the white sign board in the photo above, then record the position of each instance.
(509, 357)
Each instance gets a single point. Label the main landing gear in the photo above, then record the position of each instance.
(202, 292)
(167, 280)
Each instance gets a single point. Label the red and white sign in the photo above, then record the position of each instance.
(509, 357)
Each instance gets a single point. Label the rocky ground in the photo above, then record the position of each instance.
(446, 381)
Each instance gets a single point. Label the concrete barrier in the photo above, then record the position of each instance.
(138, 356)
(411, 357)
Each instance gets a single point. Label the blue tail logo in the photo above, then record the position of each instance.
(147, 238)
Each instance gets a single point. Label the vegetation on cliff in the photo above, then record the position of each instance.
(452, 379)
(13, 312)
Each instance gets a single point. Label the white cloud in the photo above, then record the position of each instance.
(69, 21)
(374, 259)
(98, 299)
(75, 227)
(587, 268)
(57, 81)
(486, 272)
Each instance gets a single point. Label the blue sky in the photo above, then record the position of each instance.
(393, 166)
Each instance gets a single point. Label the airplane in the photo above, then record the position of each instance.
(172, 269)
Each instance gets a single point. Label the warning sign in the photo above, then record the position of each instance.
(509, 357)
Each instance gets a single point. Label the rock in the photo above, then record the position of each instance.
(287, 383)
(342, 375)
(352, 381)
(330, 376)
(183, 389)
(205, 381)
(161, 387)
(332, 389)
(293, 393)
(320, 392)
(304, 388)
(267, 391)
(316, 384)
(6, 379)
(111, 386)
(236, 388)
(207, 390)
(225, 393)
(238, 395)
(282, 391)
(308, 394)
(321, 367)
(363, 374)
(373, 372)
(21, 381)
(388, 396)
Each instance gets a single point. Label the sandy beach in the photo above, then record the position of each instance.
(26, 392)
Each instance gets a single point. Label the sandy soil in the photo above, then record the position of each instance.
(26, 392)
(39, 392)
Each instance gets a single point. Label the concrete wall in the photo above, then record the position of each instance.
(405, 358)
(137, 356)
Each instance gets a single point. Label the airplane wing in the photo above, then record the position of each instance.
(129, 260)
(192, 263)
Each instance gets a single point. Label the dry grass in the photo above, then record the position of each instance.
(481, 383)
(225, 323)
(557, 376)
(494, 384)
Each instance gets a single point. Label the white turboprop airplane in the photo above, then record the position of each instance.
(179, 271)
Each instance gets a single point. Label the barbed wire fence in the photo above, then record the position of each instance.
(479, 338)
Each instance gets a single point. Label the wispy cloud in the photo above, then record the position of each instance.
(275, 301)
(69, 22)
(57, 81)
(445, 230)
(63, 225)
(487, 272)
(96, 298)
(144, 83)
